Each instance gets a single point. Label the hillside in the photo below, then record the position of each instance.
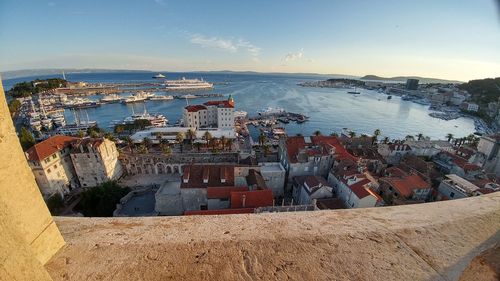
(404, 78)
(483, 91)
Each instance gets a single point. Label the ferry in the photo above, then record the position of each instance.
(138, 97)
(161, 98)
(270, 111)
(159, 76)
(188, 84)
(111, 98)
(157, 120)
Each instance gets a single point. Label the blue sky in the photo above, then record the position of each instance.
(446, 39)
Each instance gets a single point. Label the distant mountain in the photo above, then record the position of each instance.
(53, 71)
(404, 78)
(58, 71)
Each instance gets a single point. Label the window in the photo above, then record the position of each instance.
(452, 194)
(55, 166)
(48, 171)
(54, 156)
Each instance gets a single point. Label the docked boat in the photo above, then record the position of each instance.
(111, 98)
(58, 119)
(187, 84)
(75, 128)
(159, 76)
(161, 98)
(389, 97)
(138, 97)
(272, 111)
(156, 120)
(240, 114)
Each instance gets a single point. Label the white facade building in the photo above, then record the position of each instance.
(212, 114)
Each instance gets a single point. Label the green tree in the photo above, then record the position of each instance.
(180, 139)
(410, 137)
(100, 201)
(262, 139)
(334, 134)
(223, 142)
(449, 136)
(376, 133)
(26, 139)
(207, 137)
(386, 140)
(80, 134)
(14, 106)
(352, 134)
(298, 135)
(55, 204)
(191, 135)
(146, 142)
(198, 145)
(130, 143)
(420, 136)
(317, 133)
(267, 149)
(109, 136)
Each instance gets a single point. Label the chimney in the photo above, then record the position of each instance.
(243, 200)
(206, 174)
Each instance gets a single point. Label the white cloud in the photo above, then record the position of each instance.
(295, 56)
(225, 44)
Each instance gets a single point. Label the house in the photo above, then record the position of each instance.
(402, 188)
(428, 148)
(212, 114)
(304, 156)
(489, 146)
(307, 188)
(95, 161)
(354, 186)
(50, 162)
(393, 152)
(274, 176)
(450, 163)
(455, 187)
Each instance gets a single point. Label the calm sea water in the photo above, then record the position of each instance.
(330, 110)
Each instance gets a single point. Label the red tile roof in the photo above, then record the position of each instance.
(223, 192)
(220, 212)
(407, 185)
(359, 188)
(195, 108)
(220, 103)
(253, 199)
(462, 162)
(319, 145)
(44, 149)
(194, 176)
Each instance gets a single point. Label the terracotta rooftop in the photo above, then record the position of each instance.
(462, 162)
(92, 142)
(406, 185)
(318, 145)
(218, 176)
(359, 188)
(220, 103)
(48, 147)
(253, 199)
(195, 108)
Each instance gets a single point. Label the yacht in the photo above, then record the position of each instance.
(188, 84)
(272, 111)
(157, 120)
(138, 97)
(161, 98)
(75, 128)
(159, 76)
(58, 119)
(111, 98)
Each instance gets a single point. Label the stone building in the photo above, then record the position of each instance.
(50, 162)
(95, 161)
(402, 188)
(490, 147)
(307, 188)
(212, 114)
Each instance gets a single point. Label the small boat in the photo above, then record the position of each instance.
(159, 76)
(111, 98)
(389, 97)
(354, 92)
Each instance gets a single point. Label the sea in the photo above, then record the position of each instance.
(329, 109)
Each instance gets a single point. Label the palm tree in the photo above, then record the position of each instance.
(376, 133)
(191, 134)
(229, 143)
(130, 143)
(475, 142)
(223, 142)
(334, 134)
(299, 135)
(470, 138)
(166, 149)
(410, 137)
(198, 145)
(420, 136)
(352, 134)
(146, 142)
(80, 134)
(207, 136)
(180, 139)
(262, 139)
(266, 150)
(386, 140)
(317, 133)
(142, 149)
(449, 136)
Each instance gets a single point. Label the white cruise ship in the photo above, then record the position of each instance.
(138, 97)
(188, 84)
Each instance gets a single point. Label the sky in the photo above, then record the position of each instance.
(443, 39)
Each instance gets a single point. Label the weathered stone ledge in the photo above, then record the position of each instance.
(434, 241)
